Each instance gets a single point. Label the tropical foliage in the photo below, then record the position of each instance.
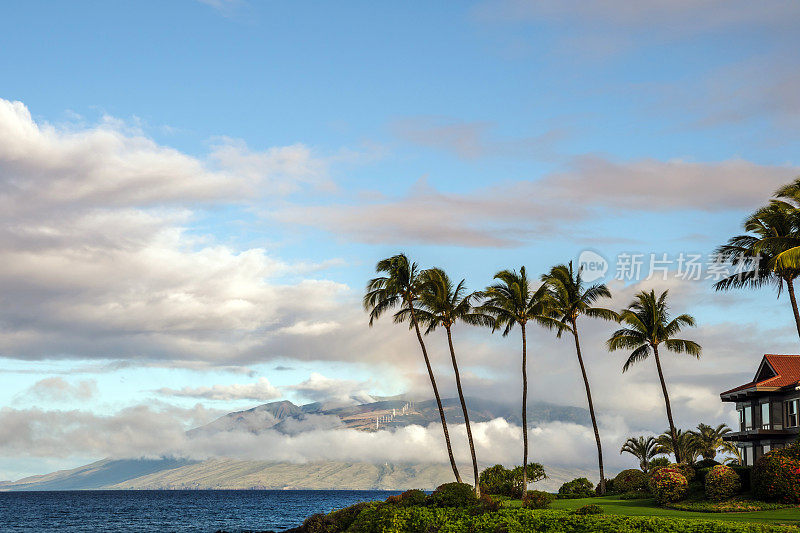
(722, 483)
(668, 485)
(708, 440)
(648, 325)
(645, 449)
(630, 480)
(769, 253)
(513, 301)
(776, 475)
(443, 303)
(400, 287)
(501, 481)
(577, 488)
(570, 299)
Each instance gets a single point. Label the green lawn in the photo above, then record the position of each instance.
(614, 505)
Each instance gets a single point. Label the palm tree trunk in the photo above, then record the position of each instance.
(790, 288)
(591, 408)
(464, 408)
(524, 412)
(438, 398)
(672, 432)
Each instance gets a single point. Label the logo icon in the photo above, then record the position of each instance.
(593, 265)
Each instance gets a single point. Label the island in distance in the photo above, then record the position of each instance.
(374, 414)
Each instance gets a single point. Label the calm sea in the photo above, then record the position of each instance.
(179, 510)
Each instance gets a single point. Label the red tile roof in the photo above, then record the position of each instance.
(786, 368)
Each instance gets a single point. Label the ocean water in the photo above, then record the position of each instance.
(180, 510)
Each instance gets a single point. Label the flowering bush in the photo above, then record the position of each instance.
(687, 470)
(668, 485)
(629, 480)
(537, 499)
(722, 483)
(776, 475)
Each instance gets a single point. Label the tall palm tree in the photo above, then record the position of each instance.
(513, 301)
(443, 304)
(400, 287)
(765, 253)
(709, 440)
(648, 325)
(644, 449)
(570, 299)
(683, 444)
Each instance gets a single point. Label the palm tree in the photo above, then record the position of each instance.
(513, 301)
(569, 300)
(648, 324)
(682, 444)
(401, 286)
(709, 441)
(644, 449)
(765, 253)
(443, 304)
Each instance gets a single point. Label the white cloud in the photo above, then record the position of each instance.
(99, 262)
(58, 389)
(260, 390)
(144, 432)
(333, 392)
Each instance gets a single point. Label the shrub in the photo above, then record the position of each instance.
(488, 504)
(504, 482)
(343, 518)
(776, 475)
(668, 485)
(452, 495)
(610, 489)
(393, 519)
(655, 463)
(577, 488)
(745, 474)
(722, 483)
(687, 470)
(629, 480)
(588, 509)
(537, 499)
(705, 463)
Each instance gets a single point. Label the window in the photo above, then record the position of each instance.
(765, 414)
(747, 455)
(747, 418)
(767, 448)
(791, 413)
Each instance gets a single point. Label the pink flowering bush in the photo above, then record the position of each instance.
(668, 485)
(776, 475)
(722, 483)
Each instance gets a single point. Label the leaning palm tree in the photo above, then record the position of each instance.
(570, 299)
(443, 304)
(647, 325)
(400, 287)
(682, 444)
(709, 440)
(764, 255)
(644, 449)
(514, 301)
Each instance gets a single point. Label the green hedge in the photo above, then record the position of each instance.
(390, 519)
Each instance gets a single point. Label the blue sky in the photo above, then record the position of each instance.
(230, 171)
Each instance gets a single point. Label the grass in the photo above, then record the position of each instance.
(648, 507)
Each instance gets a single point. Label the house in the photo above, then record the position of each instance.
(767, 406)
